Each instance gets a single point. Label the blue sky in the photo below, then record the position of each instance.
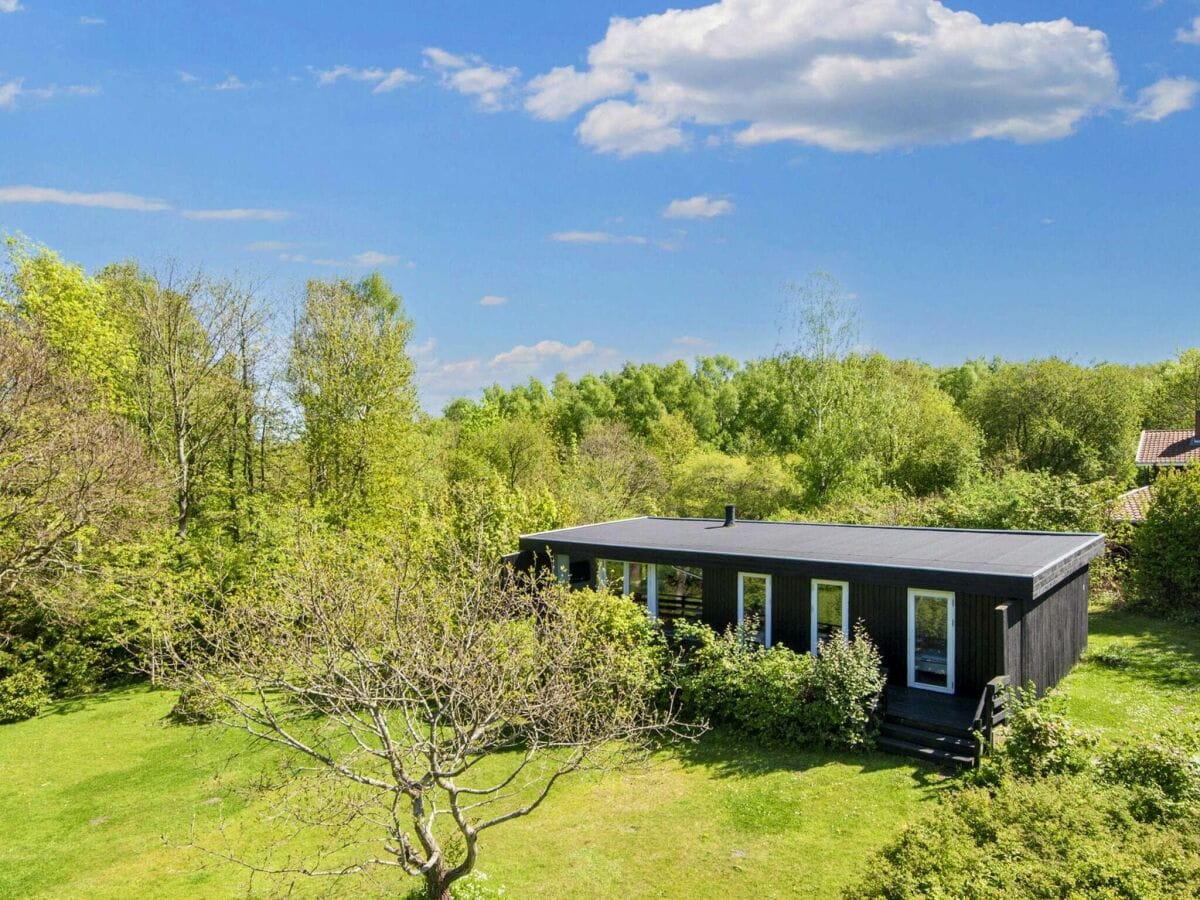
(1010, 178)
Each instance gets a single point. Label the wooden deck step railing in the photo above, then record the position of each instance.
(992, 711)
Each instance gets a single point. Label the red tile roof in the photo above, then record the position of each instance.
(1131, 506)
(1168, 447)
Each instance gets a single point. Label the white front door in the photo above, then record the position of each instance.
(931, 640)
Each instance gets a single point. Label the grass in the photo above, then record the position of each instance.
(101, 798)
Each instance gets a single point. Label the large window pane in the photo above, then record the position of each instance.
(754, 592)
(931, 640)
(829, 611)
(680, 591)
(637, 588)
(611, 574)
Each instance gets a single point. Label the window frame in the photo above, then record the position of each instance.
(951, 639)
(817, 583)
(741, 602)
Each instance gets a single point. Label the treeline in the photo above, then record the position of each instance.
(163, 436)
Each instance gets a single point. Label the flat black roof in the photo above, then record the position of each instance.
(1006, 563)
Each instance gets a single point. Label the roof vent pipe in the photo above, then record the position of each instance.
(730, 515)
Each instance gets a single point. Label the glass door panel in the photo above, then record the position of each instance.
(931, 640)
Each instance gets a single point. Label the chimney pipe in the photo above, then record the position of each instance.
(731, 510)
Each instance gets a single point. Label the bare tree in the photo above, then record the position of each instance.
(423, 708)
(67, 465)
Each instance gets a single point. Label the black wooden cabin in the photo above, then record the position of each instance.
(951, 610)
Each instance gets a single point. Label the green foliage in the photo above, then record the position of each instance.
(1164, 778)
(1039, 740)
(1058, 836)
(1166, 563)
(828, 700)
(352, 378)
(703, 483)
(23, 694)
(1059, 417)
(1174, 394)
(1038, 501)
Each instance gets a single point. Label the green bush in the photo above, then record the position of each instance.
(1166, 561)
(828, 700)
(22, 694)
(1040, 740)
(1059, 836)
(1164, 779)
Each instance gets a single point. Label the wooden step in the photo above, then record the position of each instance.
(894, 718)
(955, 744)
(926, 753)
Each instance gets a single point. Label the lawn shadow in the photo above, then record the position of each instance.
(80, 702)
(727, 754)
(1160, 652)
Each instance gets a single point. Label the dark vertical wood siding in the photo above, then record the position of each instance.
(883, 610)
(789, 611)
(1053, 632)
(720, 597)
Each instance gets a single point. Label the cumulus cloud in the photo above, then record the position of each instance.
(1165, 97)
(840, 74)
(595, 237)
(490, 86)
(698, 207)
(26, 193)
(492, 300)
(236, 215)
(522, 357)
(10, 6)
(9, 92)
(385, 80)
(231, 83)
(1191, 34)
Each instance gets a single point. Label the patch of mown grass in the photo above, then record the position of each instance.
(103, 798)
(1139, 676)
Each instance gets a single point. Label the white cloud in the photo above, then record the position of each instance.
(71, 90)
(26, 193)
(1191, 34)
(10, 6)
(491, 86)
(595, 237)
(231, 83)
(368, 259)
(371, 258)
(1163, 98)
(690, 340)
(9, 92)
(492, 300)
(385, 80)
(236, 215)
(532, 357)
(91, 20)
(845, 75)
(698, 207)
(269, 246)
(627, 129)
(186, 77)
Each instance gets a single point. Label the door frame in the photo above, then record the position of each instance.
(741, 611)
(951, 636)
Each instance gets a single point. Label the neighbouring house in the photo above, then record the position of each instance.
(951, 610)
(1158, 449)
(1165, 448)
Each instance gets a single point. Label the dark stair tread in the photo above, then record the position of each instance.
(925, 737)
(921, 751)
(893, 718)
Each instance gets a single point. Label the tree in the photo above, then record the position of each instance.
(1175, 393)
(191, 339)
(613, 474)
(819, 330)
(1166, 561)
(431, 705)
(352, 379)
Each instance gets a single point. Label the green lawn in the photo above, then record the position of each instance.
(101, 798)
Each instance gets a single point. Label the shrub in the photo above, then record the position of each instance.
(1059, 836)
(1166, 566)
(197, 704)
(1041, 741)
(775, 693)
(1114, 656)
(1164, 779)
(22, 694)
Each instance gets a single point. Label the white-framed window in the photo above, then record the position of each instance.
(678, 592)
(931, 640)
(830, 611)
(562, 568)
(754, 599)
(630, 579)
